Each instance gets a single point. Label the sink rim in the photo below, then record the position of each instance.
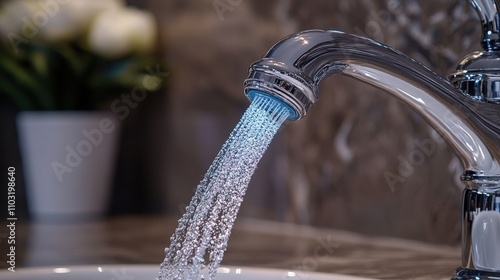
(63, 272)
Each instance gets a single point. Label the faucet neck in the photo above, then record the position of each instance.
(293, 69)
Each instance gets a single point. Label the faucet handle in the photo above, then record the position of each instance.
(478, 74)
(490, 19)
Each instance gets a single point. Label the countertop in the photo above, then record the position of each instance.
(142, 239)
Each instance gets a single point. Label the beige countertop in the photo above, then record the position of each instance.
(141, 240)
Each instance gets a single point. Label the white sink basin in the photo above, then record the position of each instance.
(139, 272)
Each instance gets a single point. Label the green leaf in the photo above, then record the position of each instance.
(67, 76)
(16, 94)
(30, 81)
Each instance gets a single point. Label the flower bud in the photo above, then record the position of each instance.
(115, 33)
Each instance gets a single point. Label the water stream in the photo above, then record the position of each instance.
(200, 240)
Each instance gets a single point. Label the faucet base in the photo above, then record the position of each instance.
(473, 274)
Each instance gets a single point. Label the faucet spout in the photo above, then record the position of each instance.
(293, 69)
(465, 112)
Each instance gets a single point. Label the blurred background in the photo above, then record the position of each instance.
(344, 166)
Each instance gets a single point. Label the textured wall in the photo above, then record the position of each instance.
(327, 169)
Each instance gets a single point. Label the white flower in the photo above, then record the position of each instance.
(116, 33)
(74, 17)
(51, 20)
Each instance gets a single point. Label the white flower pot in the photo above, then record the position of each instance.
(68, 160)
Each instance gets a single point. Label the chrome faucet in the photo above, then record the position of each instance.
(464, 109)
